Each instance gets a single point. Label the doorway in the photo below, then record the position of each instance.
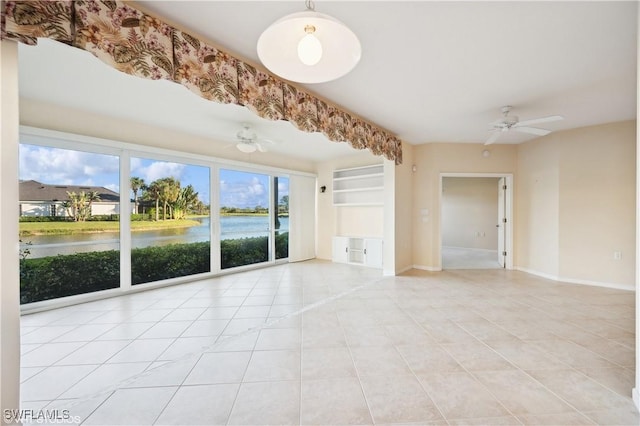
(475, 221)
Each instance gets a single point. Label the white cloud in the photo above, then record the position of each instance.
(63, 166)
(113, 187)
(243, 194)
(157, 170)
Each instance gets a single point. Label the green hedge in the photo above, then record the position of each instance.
(243, 251)
(104, 218)
(67, 275)
(45, 219)
(247, 251)
(139, 217)
(163, 262)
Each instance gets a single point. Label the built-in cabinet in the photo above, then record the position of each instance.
(359, 186)
(358, 251)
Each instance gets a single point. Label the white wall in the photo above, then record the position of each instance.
(470, 212)
(576, 205)
(538, 208)
(44, 208)
(9, 273)
(403, 216)
(431, 160)
(636, 389)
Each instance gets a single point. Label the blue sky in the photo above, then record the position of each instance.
(70, 167)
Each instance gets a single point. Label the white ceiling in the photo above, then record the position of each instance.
(430, 71)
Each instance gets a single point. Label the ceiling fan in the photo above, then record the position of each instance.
(512, 122)
(248, 140)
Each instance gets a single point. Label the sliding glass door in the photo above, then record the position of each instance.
(170, 224)
(97, 217)
(245, 223)
(281, 215)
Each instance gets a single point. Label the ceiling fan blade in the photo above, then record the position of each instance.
(494, 137)
(532, 130)
(549, 119)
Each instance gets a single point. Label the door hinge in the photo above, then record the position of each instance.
(504, 187)
(504, 253)
(504, 220)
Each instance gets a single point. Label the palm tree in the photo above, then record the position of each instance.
(152, 192)
(90, 197)
(80, 204)
(137, 184)
(169, 191)
(66, 204)
(187, 200)
(76, 202)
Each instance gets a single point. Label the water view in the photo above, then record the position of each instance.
(232, 227)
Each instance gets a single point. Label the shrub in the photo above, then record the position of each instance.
(67, 275)
(139, 217)
(104, 218)
(45, 219)
(150, 264)
(243, 251)
(282, 245)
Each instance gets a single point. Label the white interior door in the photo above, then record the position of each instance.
(502, 209)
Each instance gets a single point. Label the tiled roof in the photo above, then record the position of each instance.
(31, 190)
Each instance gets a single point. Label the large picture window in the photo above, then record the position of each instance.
(103, 215)
(69, 222)
(170, 224)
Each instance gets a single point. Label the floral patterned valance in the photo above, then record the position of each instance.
(142, 45)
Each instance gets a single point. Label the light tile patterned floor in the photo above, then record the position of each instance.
(323, 343)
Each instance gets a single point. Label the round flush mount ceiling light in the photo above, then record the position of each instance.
(309, 47)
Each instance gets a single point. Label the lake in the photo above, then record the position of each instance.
(231, 227)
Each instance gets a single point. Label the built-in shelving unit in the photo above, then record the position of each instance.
(358, 251)
(359, 186)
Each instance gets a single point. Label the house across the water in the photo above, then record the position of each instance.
(40, 199)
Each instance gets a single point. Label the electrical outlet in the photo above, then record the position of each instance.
(617, 255)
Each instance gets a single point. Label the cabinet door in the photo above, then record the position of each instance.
(340, 252)
(373, 252)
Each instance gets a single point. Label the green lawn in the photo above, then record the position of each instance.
(61, 228)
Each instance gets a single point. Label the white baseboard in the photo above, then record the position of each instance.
(627, 287)
(388, 273)
(635, 394)
(537, 273)
(405, 269)
(427, 268)
(472, 249)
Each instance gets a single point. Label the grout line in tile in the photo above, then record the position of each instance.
(124, 383)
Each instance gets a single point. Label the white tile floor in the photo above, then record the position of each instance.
(466, 258)
(323, 343)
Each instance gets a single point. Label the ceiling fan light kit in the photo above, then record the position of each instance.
(309, 47)
(248, 141)
(246, 147)
(512, 122)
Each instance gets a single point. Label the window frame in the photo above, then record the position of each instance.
(125, 151)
